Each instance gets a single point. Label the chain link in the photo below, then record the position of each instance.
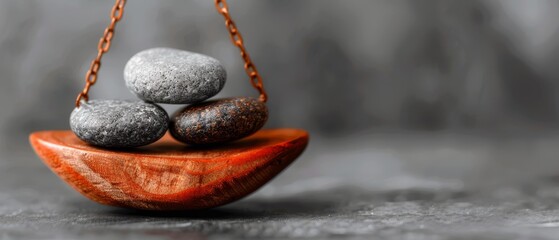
(103, 46)
(237, 39)
(116, 15)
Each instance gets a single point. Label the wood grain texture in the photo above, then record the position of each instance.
(169, 175)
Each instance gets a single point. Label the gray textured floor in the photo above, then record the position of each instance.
(386, 186)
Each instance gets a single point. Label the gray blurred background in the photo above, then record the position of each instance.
(333, 67)
(472, 83)
(397, 94)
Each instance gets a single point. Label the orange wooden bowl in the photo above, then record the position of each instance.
(169, 175)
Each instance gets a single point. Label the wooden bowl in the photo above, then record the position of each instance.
(169, 175)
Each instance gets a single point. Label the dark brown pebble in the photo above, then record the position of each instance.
(218, 121)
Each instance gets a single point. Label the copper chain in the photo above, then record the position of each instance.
(116, 15)
(237, 39)
(103, 47)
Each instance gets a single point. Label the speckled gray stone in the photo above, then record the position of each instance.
(116, 123)
(166, 75)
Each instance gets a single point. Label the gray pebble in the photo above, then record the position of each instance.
(116, 123)
(166, 75)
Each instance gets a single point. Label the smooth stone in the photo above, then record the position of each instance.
(117, 123)
(166, 75)
(218, 121)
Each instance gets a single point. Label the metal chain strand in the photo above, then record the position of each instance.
(237, 39)
(116, 15)
(103, 47)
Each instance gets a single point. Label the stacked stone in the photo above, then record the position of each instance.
(169, 76)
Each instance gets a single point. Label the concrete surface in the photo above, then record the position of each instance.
(370, 186)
